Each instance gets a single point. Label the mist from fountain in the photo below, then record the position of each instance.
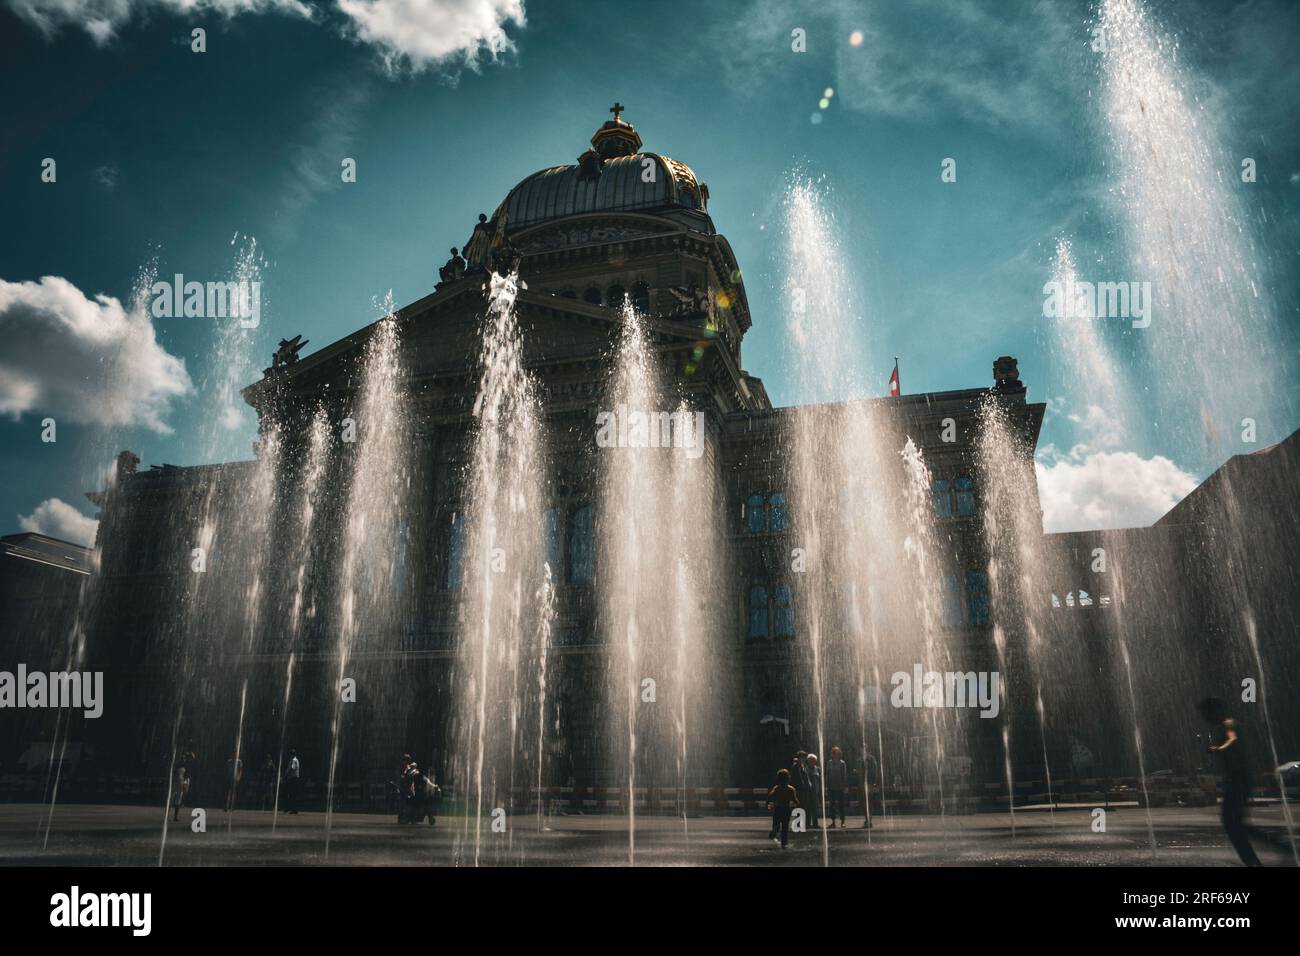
(1189, 236)
(225, 539)
(377, 502)
(657, 562)
(507, 602)
(259, 503)
(859, 488)
(1213, 352)
(307, 480)
(1017, 562)
(545, 599)
(76, 642)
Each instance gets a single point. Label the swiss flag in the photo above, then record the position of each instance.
(893, 381)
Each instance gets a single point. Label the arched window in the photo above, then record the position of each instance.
(641, 298)
(551, 541)
(942, 498)
(455, 553)
(776, 511)
(977, 597)
(592, 295)
(754, 514)
(965, 488)
(582, 564)
(784, 611)
(614, 296)
(758, 622)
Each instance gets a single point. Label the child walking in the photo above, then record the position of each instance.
(781, 800)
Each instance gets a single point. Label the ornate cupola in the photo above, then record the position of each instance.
(615, 138)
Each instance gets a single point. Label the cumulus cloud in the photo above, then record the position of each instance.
(90, 361)
(1086, 490)
(417, 34)
(409, 35)
(58, 519)
(103, 18)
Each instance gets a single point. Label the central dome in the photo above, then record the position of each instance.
(613, 176)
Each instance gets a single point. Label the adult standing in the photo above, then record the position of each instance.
(1236, 778)
(292, 783)
(837, 785)
(814, 790)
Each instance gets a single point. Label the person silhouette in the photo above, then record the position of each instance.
(1235, 765)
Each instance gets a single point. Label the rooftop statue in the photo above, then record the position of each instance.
(478, 249)
(287, 353)
(453, 270)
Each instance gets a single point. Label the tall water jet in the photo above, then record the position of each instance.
(225, 537)
(545, 627)
(77, 642)
(506, 602)
(854, 499)
(1016, 565)
(1083, 357)
(922, 548)
(259, 503)
(819, 297)
(308, 482)
(377, 505)
(656, 564)
(695, 577)
(632, 545)
(1190, 238)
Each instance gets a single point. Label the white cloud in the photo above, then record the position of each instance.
(1089, 490)
(102, 18)
(58, 519)
(1104, 428)
(88, 361)
(409, 34)
(1095, 485)
(417, 34)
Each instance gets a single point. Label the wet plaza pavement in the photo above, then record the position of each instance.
(84, 835)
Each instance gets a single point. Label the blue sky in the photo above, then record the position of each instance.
(182, 159)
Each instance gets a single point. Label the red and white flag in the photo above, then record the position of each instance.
(894, 390)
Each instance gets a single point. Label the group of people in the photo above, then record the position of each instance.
(804, 785)
(186, 769)
(417, 794)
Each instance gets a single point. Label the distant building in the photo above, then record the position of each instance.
(42, 580)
